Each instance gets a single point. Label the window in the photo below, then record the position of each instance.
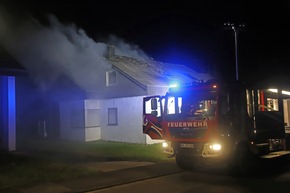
(250, 102)
(268, 100)
(112, 116)
(111, 78)
(92, 118)
(149, 106)
(171, 105)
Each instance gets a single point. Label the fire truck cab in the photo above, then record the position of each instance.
(214, 121)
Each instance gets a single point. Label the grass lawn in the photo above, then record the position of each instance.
(44, 160)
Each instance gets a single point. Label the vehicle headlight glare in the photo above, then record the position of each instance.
(216, 147)
(164, 144)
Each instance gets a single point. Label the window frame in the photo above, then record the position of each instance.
(113, 112)
(108, 78)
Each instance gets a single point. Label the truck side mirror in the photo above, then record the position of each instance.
(154, 104)
(154, 113)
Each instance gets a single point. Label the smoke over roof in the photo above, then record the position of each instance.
(48, 51)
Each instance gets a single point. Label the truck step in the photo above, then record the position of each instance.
(275, 154)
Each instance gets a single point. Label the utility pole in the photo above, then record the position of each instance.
(236, 29)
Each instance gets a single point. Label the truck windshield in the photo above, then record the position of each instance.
(199, 104)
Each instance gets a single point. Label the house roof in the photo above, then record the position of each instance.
(8, 65)
(153, 73)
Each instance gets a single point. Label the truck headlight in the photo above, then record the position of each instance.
(165, 144)
(215, 146)
(212, 150)
(167, 149)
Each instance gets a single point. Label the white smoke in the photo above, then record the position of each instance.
(48, 51)
(125, 49)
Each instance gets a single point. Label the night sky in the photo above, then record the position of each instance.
(185, 32)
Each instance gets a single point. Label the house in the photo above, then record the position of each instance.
(110, 109)
(113, 110)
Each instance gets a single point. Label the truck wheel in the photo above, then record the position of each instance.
(242, 163)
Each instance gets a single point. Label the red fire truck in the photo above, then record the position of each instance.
(233, 122)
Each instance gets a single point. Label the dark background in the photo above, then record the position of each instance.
(185, 32)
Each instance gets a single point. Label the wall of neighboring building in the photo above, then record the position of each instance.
(80, 120)
(38, 112)
(124, 87)
(92, 120)
(127, 126)
(72, 120)
(64, 89)
(31, 108)
(126, 96)
(157, 90)
(118, 119)
(8, 113)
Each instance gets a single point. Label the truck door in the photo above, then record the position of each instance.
(152, 116)
(269, 115)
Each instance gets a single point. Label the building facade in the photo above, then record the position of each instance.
(111, 109)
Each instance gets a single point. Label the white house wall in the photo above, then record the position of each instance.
(129, 127)
(157, 90)
(80, 120)
(124, 87)
(92, 120)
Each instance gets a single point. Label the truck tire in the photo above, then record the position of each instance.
(242, 162)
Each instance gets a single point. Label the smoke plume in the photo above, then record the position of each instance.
(48, 51)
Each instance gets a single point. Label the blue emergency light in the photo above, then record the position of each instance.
(174, 85)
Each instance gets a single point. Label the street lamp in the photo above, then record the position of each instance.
(236, 29)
